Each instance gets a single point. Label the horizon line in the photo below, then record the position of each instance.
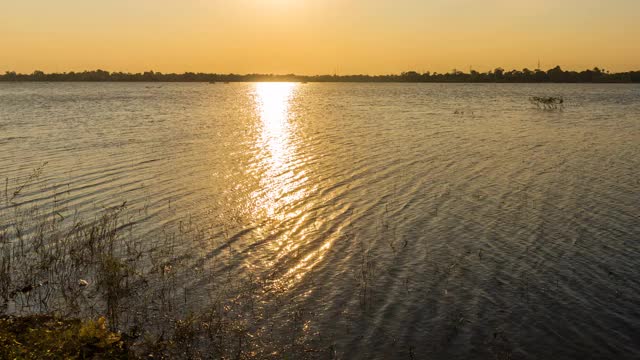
(498, 75)
(335, 74)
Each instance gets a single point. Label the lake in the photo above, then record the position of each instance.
(407, 220)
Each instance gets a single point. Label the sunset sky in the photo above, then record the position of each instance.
(317, 36)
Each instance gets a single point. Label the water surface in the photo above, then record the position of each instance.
(426, 220)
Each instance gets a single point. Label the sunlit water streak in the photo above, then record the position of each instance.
(275, 145)
(469, 216)
(280, 178)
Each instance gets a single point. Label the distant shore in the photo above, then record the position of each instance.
(499, 75)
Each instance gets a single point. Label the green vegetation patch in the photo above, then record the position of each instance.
(48, 337)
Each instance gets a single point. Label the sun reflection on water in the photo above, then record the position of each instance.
(273, 102)
(283, 179)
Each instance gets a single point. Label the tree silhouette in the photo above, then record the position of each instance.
(556, 74)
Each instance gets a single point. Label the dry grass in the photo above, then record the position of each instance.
(48, 337)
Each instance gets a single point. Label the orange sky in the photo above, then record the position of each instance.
(317, 36)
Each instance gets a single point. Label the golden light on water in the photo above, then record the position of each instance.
(273, 101)
(281, 179)
(276, 147)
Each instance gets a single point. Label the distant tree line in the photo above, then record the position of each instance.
(499, 75)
